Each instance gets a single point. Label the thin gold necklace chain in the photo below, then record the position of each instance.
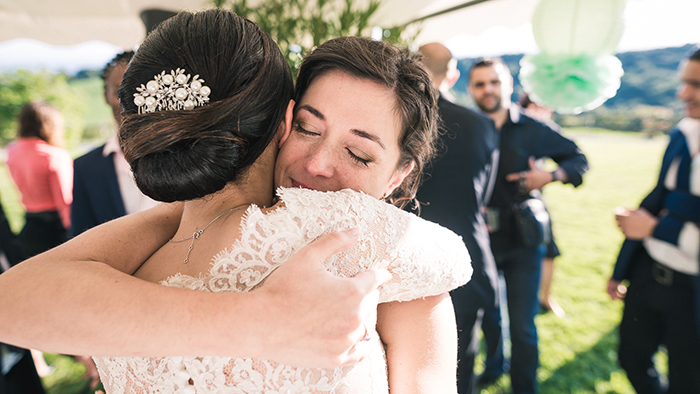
(197, 233)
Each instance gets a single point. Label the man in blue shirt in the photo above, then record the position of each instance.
(523, 140)
(660, 258)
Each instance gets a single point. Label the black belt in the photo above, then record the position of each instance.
(669, 277)
(43, 216)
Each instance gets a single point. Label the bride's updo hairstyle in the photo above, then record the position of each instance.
(402, 73)
(183, 154)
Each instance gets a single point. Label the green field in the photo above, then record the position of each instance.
(577, 353)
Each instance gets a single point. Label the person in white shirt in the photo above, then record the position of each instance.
(660, 259)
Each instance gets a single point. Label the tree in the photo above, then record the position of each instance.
(300, 25)
(21, 87)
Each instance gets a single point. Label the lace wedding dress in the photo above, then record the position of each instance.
(424, 259)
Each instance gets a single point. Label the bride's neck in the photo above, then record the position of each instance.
(253, 187)
(199, 212)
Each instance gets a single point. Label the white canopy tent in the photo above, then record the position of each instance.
(75, 21)
(469, 28)
(118, 22)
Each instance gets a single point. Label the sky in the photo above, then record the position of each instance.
(35, 55)
(648, 25)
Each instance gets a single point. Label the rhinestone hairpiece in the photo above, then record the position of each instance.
(174, 91)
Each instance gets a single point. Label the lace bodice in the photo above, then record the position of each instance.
(423, 258)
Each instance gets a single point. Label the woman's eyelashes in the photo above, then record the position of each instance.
(299, 129)
(358, 159)
(357, 155)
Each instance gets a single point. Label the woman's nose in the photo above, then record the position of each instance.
(320, 163)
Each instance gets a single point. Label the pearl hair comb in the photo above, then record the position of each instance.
(174, 91)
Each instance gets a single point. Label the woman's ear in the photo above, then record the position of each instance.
(286, 124)
(399, 175)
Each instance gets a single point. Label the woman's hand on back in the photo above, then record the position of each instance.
(316, 318)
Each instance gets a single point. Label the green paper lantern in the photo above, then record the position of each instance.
(578, 27)
(570, 84)
(576, 70)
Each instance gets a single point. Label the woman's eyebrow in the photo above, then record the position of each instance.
(360, 133)
(313, 111)
(369, 136)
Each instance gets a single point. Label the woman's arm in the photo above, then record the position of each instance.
(421, 345)
(124, 243)
(65, 301)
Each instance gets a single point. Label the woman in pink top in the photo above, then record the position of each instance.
(43, 173)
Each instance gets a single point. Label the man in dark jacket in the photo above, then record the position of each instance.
(454, 195)
(516, 244)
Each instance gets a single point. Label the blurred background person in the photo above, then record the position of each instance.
(547, 302)
(18, 372)
(43, 174)
(42, 171)
(517, 249)
(660, 258)
(454, 194)
(103, 184)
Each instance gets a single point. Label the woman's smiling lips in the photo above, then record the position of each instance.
(301, 185)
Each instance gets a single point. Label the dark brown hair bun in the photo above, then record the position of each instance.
(181, 155)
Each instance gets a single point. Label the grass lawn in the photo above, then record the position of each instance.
(578, 353)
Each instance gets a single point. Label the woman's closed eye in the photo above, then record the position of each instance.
(301, 130)
(359, 157)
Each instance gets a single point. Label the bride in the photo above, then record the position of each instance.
(207, 104)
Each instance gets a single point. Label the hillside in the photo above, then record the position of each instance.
(650, 78)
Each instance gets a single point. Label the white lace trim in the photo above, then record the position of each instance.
(424, 259)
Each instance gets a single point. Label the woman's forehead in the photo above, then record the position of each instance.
(350, 103)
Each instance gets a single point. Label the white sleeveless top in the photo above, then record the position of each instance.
(424, 259)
